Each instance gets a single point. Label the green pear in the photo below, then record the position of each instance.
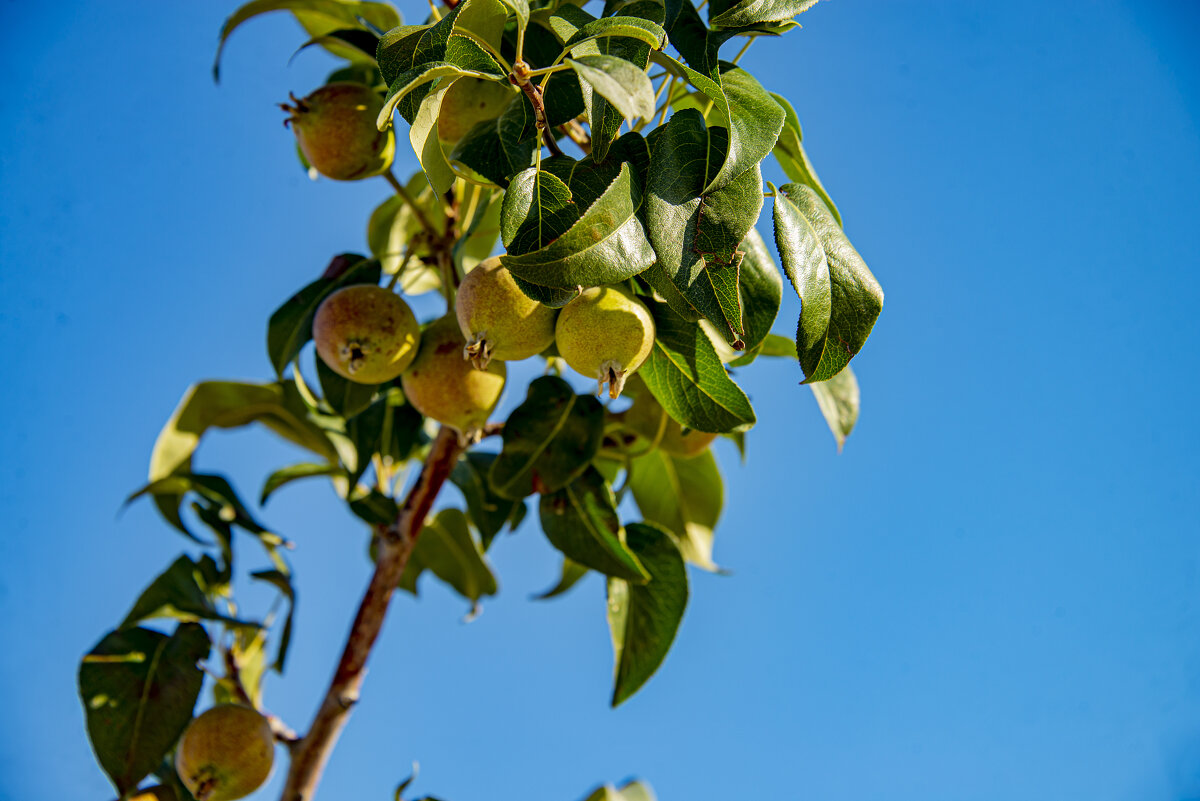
(498, 320)
(605, 334)
(335, 127)
(226, 753)
(366, 333)
(442, 385)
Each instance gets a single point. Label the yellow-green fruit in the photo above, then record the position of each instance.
(336, 129)
(605, 333)
(497, 318)
(444, 386)
(648, 419)
(366, 333)
(225, 753)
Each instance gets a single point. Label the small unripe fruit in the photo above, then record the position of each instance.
(226, 753)
(336, 129)
(366, 333)
(648, 419)
(605, 333)
(444, 386)
(498, 320)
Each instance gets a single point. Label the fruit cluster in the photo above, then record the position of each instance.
(452, 371)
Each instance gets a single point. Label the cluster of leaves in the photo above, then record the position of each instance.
(666, 209)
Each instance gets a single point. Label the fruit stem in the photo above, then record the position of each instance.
(395, 545)
(390, 177)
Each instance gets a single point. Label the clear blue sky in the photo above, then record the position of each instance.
(994, 593)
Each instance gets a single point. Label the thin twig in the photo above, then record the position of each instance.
(534, 94)
(407, 198)
(395, 545)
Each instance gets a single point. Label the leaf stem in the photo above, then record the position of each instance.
(534, 93)
(390, 177)
(395, 545)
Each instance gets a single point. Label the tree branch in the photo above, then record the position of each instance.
(395, 546)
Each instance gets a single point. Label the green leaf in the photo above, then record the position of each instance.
(630, 791)
(684, 496)
(395, 230)
(537, 210)
(697, 234)
(286, 475)
(212, 488)
(345, 397)
(686, 377)
(606, 246)
(495, 148)
(760, 288)
(581, 521)
(548, 440)
(644, 618)
(751, 118)
(290, 328)
(521, 9)
(177, 593)
(620, 82)
(138, 689)
(331, 14)
(423, 135)
(447, 548)
(792, 158)
(373, 507)
(839, 400)
(356, 43)
(487, 510)
(283, 582)
(414, 79)
(407, 47)
(570, 575)
(752, 12)
(840, 298)
(627, 27)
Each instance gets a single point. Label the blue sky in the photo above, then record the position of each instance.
(993, 593)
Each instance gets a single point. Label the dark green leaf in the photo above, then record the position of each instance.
(548, 440)
(751, 118)
(570, 576)
(644, 618)
(696, 234)
(789, 152)
(606, 246)
(283, 582)
(286, 475)
(581, 521)
(356, 39)
(495, 148)
(550, 296)
(620, 82)
(407, 83)
(487, 510)
(406, 47)
(138, 689)
(761, 289)
(840, 299)
(290, 327)
(684, 496)
(626, 27)
(537, 210)
(686, 377)
(447, 548)
(177, 592)
(346, 398)
(373, 507)
(839, 400)
(752, 12)
(333, 14)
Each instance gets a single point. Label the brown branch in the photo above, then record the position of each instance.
(395, 544)
(534, 93)
(575, 131)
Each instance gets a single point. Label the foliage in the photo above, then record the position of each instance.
(494, 92)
